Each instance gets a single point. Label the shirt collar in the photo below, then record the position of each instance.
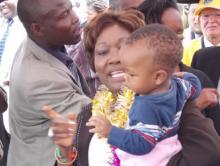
(208, 43)
(60, 54)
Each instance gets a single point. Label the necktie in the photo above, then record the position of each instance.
(4, 37)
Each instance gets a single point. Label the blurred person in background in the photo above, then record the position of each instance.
(208, 13)
(194, 30)
(12, 34)
(95, 7)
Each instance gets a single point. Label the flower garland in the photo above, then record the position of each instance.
(114, 108)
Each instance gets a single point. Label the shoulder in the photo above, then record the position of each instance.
(206, 52)
(206, 58)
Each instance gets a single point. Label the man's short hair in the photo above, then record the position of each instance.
(28, 11)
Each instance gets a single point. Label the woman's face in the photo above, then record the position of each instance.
(107, 62)
(172, 19)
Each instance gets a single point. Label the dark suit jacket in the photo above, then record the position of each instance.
(208, 61)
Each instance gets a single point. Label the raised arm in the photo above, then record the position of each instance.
(62, 132)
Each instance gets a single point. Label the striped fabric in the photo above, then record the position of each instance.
(4, 37)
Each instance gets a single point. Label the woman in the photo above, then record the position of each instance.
(102, 41)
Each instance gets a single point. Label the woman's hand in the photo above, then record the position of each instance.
(62, 131)
(208, 98)
(102, 126)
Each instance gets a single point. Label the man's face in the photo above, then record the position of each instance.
(193, 20)
(8, 8)
(210, 23)
(172, 19)
(61, 25)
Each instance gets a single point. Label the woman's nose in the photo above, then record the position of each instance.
(114, 56)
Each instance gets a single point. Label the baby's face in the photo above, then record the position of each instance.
(138, 65)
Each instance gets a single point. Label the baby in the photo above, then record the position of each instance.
(149, 57)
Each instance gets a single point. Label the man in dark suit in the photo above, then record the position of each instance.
(208, 61)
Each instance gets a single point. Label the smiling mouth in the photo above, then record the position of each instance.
(117, 74)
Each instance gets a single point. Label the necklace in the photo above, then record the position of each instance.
(114, 107)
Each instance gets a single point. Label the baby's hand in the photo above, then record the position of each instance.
(102, 126)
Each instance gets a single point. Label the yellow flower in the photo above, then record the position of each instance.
(115, 109)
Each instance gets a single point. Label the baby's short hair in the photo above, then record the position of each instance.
(164, 45)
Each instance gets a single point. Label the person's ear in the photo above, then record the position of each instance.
(160, 77)
(36, 29)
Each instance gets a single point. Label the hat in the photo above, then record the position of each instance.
(204, 4)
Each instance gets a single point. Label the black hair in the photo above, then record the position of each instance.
(153, 9)
(162, 42)
(28, 12)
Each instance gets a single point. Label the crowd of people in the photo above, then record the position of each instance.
(130, 86)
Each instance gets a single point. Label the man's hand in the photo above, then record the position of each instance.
(62, 131)
(102, 126)
(208, 98)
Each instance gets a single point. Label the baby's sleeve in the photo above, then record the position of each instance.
(192, 85)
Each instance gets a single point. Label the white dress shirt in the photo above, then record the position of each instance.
(16, 35)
